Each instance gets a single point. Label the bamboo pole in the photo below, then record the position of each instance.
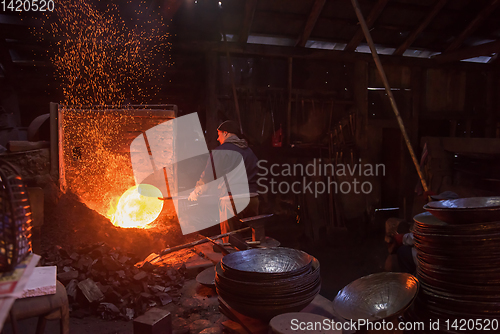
(381, 71)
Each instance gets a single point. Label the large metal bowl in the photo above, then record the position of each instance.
(466, 210)
(281, 286)
(376, 297)
(267, 309)
(428, 223)
(467, 203)
(266, 263)
(271, 300)
(262, 283)
(465, 216)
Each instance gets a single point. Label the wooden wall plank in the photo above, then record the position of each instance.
(445, 90)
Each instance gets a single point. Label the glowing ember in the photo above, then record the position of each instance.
(137, 207)
(106, 52)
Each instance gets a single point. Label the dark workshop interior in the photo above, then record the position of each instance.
(375, 129)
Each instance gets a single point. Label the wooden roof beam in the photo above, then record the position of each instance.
(275, 51)
(311, 22)
(250, 7)
(485, 49)
(494, 60)
(473, 25)
(417, 31)
(370, 20)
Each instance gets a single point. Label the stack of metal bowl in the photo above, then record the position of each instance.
(459, 262)
(264, 282)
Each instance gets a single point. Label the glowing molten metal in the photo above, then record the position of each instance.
(137, 207)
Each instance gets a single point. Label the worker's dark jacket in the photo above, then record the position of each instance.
(226, 162)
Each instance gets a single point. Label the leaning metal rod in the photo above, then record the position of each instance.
(198, 242)
(381, 71)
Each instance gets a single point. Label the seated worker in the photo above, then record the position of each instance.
(229, 138)
(406, 252)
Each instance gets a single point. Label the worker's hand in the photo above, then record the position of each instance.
(193, 196)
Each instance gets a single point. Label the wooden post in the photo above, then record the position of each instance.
(416, 96)
(490, 92)
(54, 140)
(453, 128)
(233, 83)
(361, 103)
(211, 102)
(289, 105)
(60, 146)
(468, 128)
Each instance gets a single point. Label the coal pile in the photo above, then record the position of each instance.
(69, 222)
(112, 283)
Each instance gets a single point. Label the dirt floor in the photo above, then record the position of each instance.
(196, 312)
(68, 223)
(348, 258)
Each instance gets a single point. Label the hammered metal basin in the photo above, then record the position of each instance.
(270, 287)
(262, 283)
(376, 297)
(465, 216)
(466, 210)
(266, 263)
(467, 203)
(428, 223)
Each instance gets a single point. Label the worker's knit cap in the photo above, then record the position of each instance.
(229, 126)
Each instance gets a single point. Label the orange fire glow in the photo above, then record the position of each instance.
(103, 54)
(137, 207)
